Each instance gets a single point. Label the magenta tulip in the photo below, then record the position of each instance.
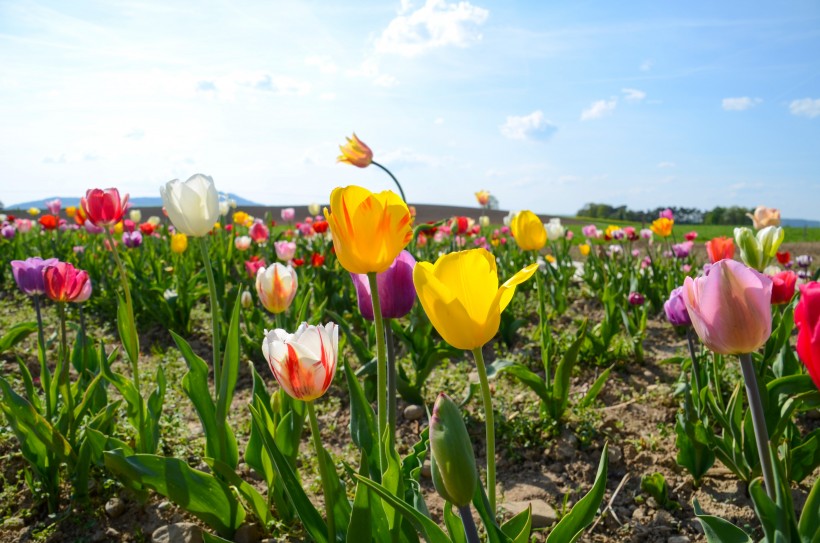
(396, 291)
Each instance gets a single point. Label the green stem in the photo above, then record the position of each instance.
(206, 260)
(381, 372)
(490, 425)
(542, 328)
(323, 471)
(45, 374)
(758, 422)
(470, 530)
(128, 303)
(690, 337)
(393, 177)
(65, 384)
(391, 375)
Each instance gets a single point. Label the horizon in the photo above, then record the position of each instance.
(549, 107)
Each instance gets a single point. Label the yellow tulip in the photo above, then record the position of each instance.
(461, 296)
(33, 211)
(179, 242)
(550, 259)
(118, 228)
(662, 227)
(355, 152)
(584, 248)
(70, 211)
(528, 231)
(369, 230)
(241, 218)
(483, 197)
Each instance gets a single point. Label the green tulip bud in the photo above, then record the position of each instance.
(452, 460)
(757, 251)
(770, 239)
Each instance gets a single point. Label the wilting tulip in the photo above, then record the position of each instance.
(63, 282)
(783, 285)
(461, 296)
(104, 207)
(28, 274)
(528, 231)
(288, 214)
(285, 250)
(758, 250)
(764, 216)
(584, 249)
(555, 230)
(720, 248)
(369, 230)
(132, 240)
(396, 290)
(54, 206)
(662, 226)
(452, 460)
(259, 232)
(49, 222)
(242, 243)
(807, 319)
(730, 307)
(355, 152)
(179, 242)
(276, 286)
(246, 299)
(636, 298)
(192, 206)
(483, 197)
(675, 309)
(303, 362)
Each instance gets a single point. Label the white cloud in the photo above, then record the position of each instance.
(666, 164)
(805, 107)
(633, 95)
(740, 103)
(281, 84)
(385, 80)
(436, 24)
(646, 65)
(439, 121)
(323, 62)
(528, 127)
(599, 109)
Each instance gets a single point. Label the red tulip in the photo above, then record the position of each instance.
(720, 248)
(147, 228)
(784, 258)
(253, 265)
(691, 236)
(807, 319)
(104, 207)
(783, 284)
(320, 227)
(65, 283)
(317, 260)
(298, 262)
(303, 362)
(49, 222)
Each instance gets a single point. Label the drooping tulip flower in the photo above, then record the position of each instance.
(355, 152)
(662, 226)
(304, 362)
(764, 216)
(28, 274)
(720, 248)
(452, 460)
(730, 308)
(461, 296)
(242, 243)
(54, 206)
(807, 319)
(396, 290)
(369, 230)
(132, 240)
(259, 232)
(63, 282)
(288, 214)
(758, 250)
(179, 242)
(783, 285)
(285, 250)
(528, 231)
(636, 298)
(675, 309)
(104, 207)
(276, 286)
(483, 197)
(192, 206)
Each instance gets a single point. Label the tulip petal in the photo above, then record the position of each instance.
(506, 291)
(445, 311)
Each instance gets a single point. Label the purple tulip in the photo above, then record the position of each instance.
(29, 274)
(396, 291)
(636, 298)
(675, 309)
(54, 206)
(8, 231)
(682, 250)
(804, 261)
(132, 240)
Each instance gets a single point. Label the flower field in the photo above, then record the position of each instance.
(357, 374)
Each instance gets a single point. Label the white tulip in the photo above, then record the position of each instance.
(484, 221)
(303, 362)
(193, 206)
(223, 207)
(135, 215)
(555, 229)
(314, 209)
(276, 286)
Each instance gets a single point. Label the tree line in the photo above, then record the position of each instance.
(734, 215)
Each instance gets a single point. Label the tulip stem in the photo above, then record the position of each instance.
(391, 374)
(209, 273)
(64, 382)
(393, 177)
(128, 303)
(542, 328)
(758, 421)
(45, 374)
(490, 425)
(470, 530)
(381, 372)
(690, 337)
(323, 471)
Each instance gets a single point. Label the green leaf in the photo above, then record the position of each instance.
(805, 457)
(454, 524)
(367, 519)
(656, 486)
(227, 385)
(595, 389)
(199, 493)
(362, 422)
(809, 525)
(133, 399)
(16, 334)
(718, 530)
(692, 441)
(482, 507)
(253, 499)
(128, 330)
(519, 527)
(563, 372)
(210, 538)
(523, 374)
(573, 524)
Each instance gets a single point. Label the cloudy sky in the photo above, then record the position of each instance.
(549, 105)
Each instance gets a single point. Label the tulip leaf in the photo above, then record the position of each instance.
(573, 524)
(595, 389)
(199, 493)
(367, 519)
(809, 525)
(560, 392)
(227, 385)
(211, 538)
(16, 334)
(518, 528)
(718, 530)
(455, 527)
(523, 374)
(362, 421)
(805, 457)
(253, 499)
(154, 404)
(128, 330)
(133, 399)
(482, 506)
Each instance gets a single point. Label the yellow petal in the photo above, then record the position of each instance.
(445, 311)
(506, 291)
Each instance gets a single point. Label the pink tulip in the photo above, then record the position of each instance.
(285, 250)
(259, 232)
(730, 307)
(288, 214)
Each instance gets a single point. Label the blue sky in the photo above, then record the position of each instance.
(549, 105)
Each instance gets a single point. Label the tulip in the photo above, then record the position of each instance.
(48, 222)
(484, 221)
(584, 248)
(8, 231)
(667, 214)
(636, 298)
(246, 299)
(132, 240)
(764, 216)
(682, 250)
(135, 215)
(71, 211)
(33, 211)
(317, 260)
(154, 221)
(179, 242)
(690, 236)
(369, 230)
(104, 207)
(147, 228)
(224, 208)
(783, 285)
(192, 206)
(730, 308)
(720, 248)
(285, 250)
(675, 309)
(259, 232)
(242, 243)
(758, 250)
(288, 214)
(64, 283)
(631, 233)
(54, 206)
(396, 291)
(555, 230)
(807, 319)
(452, 460)
(483, 197)
(24, 226)
(803, 261)
(29, 274)
(528, 231)
(784, 258)
(590, 231)
(276, 286)
(355, 152)
(320, 227)
(614, 232)
(662, 226)
(314, 208)
(646, 234)
(304, 362)
(253, 265)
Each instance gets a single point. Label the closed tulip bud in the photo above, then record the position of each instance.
(636, 298)
(288, 214)
(285, 250)
(104, 207)
(242, 243)
(179, 242)
(730, 307)
(246, 300)
(783, 285)
(70, 211)
(396, 291)
(276, 286)
(314, 209)
(757, 251)
(65, 283)
(675, 309)
(54, 206)
(224, 208)
(452, 461)
(132, 240)
(154, 220)
(135, 215)
(528, 231)
(355, 152)
(33, 211)
(584, 248)
(8, 231)
(807, 319)
(192, 206)
(304, 362)
(259, 232)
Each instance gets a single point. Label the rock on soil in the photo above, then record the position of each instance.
(114, 507)
(183, 532)
(413, 412)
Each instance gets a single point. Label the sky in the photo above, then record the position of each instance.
(548, 105)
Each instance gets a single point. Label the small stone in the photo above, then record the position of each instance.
(652, 502)
(543, 514)
(678, 539)
(664, 518)
(426, 470)
(182, 532)
(648, 374)
(247, 533)
(111, 533)
(14, 523)
(615, 455)
(164, 505)
(114, 507)
(413, 412)
(520, 398)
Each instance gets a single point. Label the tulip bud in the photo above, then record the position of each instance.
(276, 286)
(783, 284)
(246, 300)
(757, 251)
(675, 309)
(636, 298)
(452, 459)
(528, 231)
(179, 242)
(555, 230)
(807, 320)
(314, 209)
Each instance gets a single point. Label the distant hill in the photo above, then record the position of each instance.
(136, 201)
(800, 223)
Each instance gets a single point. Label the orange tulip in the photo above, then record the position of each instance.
(720, 248)
(662, 227)
(355, 152)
